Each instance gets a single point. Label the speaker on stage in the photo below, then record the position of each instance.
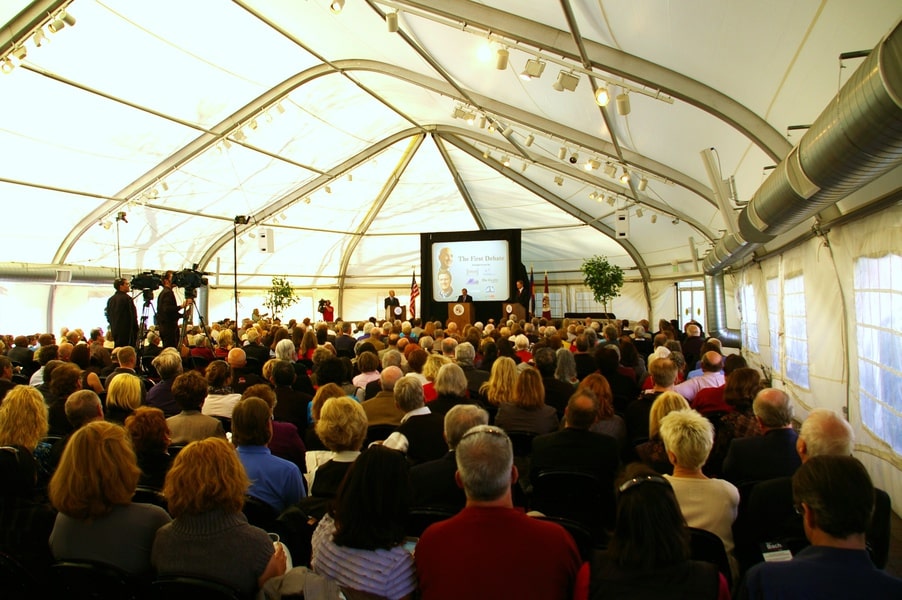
(265, 239)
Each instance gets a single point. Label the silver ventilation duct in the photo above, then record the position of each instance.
(855, 140)
(716, 307)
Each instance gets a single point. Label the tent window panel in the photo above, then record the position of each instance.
(773, 313)
(796, 330)
(878, 299)
(749, 323)
(555, 301)
(585, 302)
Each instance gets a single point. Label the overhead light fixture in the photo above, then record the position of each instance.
(501, 58)
(562, 153)
(559, 180)
(676, 221)
(566, 81)
(7, 66)
(592, 164)
(239, 135)
(574, 158)
(307, 200)
(485, 153)
(391, 21)
(491, 128)
(19, 53)
(602, 96)
(529, 140)
(643, 183)
(328, 189)
(39, 37)
(593, 195)
(336, 6)
(623, 104)
(164, 185)
(56, 24)
(654, 218)
(524, 167)
(350, 177)
(506, 160)
(279, 108)
(252, 124)
(625, 176)
(508, 131)
(482, 121)
(611, 200)
(639, 213)
(610, 170)
(67, 18)
(533, 69)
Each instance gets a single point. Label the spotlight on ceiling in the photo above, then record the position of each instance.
(574, 158)
(506, 160)
(676, 221)
(566, 81)
(625, 176)
(602, 96)
(501, 58)
(559, 180)
(611, 200)
(639, 213)
(562, 153)
(529, 140)
(38, 38)
(593, 195)
(486, 153)
(643, 183)
(592, 164)
(654, 218)
(336, 6)
(391, 21)
(328, 189)
(610, 170)
(623, 104)
(508, 131)
(524, 167)
(19, 53)
(7, 66)
(491, 128)
(533, 69)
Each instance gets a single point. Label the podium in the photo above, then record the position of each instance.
(460, 313)
(512, 310)
(396, 313)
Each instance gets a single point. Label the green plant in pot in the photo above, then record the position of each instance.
(603, 278)
(280, 296)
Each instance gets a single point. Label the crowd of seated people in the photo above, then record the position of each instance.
(304, 429)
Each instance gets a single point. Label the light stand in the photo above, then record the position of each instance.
(239, 220)
(120, 216)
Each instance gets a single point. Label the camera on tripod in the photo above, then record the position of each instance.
(149, 281)
(190, 279)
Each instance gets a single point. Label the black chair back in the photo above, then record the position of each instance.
(189, 587)
(706, 546)
(149, 495)
(378, 433)
(421, 517)
(575, 495)
(17, 582)
(581, 536)
(521, 442)
(259, 513)
(86, 580)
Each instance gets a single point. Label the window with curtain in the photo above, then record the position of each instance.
(555, 300)
(878, 320)
(749, 324)
(773, 313)
(795, 328)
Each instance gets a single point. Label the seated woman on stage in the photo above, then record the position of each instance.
(92, 489)
(210, 536)
(358, 544)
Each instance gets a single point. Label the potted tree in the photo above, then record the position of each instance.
(603, 278)
(280, 296)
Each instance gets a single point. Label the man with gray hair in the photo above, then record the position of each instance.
(464, 355)
(433, 482)
(770, 515)
(767, 456)
(515, 556)
(168, 365)
(420, 433)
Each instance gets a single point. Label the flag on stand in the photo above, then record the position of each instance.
(414, 294)
(532, 292)
(546, 301)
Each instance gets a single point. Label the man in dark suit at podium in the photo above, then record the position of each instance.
(391, 301)
(464, 296)
(522, 294)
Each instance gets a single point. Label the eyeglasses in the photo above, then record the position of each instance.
(798, 508)
(484, 429)
(642, 479)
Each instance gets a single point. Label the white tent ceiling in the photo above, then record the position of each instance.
(340, 137)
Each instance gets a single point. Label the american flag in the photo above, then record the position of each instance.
(414, 294)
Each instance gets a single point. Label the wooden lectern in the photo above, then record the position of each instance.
(512, 310)
(399, 313)
(460, 313)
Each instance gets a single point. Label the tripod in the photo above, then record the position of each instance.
(188, 317)
(146, 311)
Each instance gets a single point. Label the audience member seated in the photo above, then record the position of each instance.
(64, 379)
(419, 436)
(81, 356)
(381, 408)
(286, 441)
(150, 437)
(663, 372)
(23, 424)
(274, 480)
(500, 387)
(128, 362)
(82, 407)
(609, 422)
(123, 397)
(836, 498)
(710, 400)
(291, 405)
(464, 356)
(652, 453)
(648, 553)
(557, 392)
(169, 366)
(739, 392)
(514, 555)
(190, 390)
(623, 387)
(45, 354)
(284, 350)
(528, 411)
(241, 377)
(451, 387)
(709, 504)
(358, 543)
(92, 489)
(433, 482)
(311, 439)
(221, 398)
(711, 377)
(210, 536)
(770, 455)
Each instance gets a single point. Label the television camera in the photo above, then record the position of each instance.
(190, 279)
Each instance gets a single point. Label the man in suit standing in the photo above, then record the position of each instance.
(391, 301)
(122, 314)
(464, 296)
(168, 313)
(522, 294)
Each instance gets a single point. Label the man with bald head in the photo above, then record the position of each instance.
(381, 408)
(767, 456)
(712, 376)
(242, 378)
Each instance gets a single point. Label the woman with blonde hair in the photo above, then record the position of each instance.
(528, 411)
(501, 384)
(23, 422)
(92, 489)
(430, 371)
(652, 452)
(210, 536)
(609, 422)
(123, 397)
(224, 344)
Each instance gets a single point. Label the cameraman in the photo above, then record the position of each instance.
(168, 313)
